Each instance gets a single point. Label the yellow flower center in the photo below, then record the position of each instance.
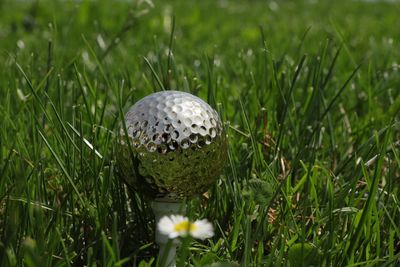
(184, 226)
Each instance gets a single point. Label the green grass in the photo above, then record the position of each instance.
(309, 92)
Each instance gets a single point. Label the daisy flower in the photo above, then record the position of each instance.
(178, 225)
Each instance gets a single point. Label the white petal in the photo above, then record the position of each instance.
(165, 225)
(173, 235)
(202, 230)
(178, 218)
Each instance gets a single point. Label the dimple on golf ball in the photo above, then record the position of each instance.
(175, 145)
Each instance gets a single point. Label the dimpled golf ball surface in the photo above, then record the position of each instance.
(178, 145)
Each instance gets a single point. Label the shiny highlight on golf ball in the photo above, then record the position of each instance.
(178, 146)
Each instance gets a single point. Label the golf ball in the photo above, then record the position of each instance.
(173, 145)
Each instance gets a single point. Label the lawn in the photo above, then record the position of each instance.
(309, 95)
